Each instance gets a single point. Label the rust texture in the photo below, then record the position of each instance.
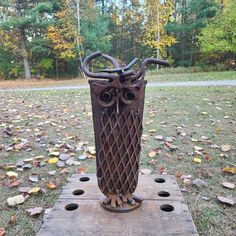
(117, 106)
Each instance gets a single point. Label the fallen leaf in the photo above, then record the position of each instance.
(34, 190)
(152, 131)
(225, 200)
(231, 170)
(28, 160)
(204, 113)
(2, 232)
(53, 160)
(187, 182)
(24, 189)
(13, 220)
(51, 185)
(197, 160)
(225, 147)
(159, 137)
(15, 183)
(82, 157)
(53, 172)
(91, 150)
(12, 175)
(34, 178)
(18, 199)
(185, 177)
(152, 153)
(228, 185)
(39, 158)
(60, 164)
(152, 162)
(81, 170)
(200, 183)
(54, 154)
(204, 137)
(64, 157)
(34, 211)
(146, 171)
(171, 146)
(197, 148)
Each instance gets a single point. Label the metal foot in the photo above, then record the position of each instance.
(122, 203)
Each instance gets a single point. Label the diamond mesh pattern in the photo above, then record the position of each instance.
(118, 159)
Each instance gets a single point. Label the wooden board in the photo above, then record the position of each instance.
(91, 219)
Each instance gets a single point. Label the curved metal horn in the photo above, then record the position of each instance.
(87, 60)
(144, 65)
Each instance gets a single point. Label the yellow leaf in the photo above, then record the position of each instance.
(152, 153)
(12, 201)
(231, 170)
(53, 160)
(152, 131)
(34, 190)
(197, 160)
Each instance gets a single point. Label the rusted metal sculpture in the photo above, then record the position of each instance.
(117, 106)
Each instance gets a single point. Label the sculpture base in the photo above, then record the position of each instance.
(78, 211)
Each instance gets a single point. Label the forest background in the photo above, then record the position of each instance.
(50, 39)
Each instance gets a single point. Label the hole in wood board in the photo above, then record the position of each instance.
(167, 208)
(159, 180)
(78, 192)
(163, 194)
(71, 207)
(84, 179)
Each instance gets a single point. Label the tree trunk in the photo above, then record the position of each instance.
(22, 40)
(25, 56)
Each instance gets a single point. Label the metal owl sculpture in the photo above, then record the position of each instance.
(117, 105)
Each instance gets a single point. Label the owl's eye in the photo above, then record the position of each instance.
(106, 96)
(128, 95)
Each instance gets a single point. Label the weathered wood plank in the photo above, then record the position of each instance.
(89, 218)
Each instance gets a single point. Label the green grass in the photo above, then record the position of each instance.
(166, 110)
(170, 75)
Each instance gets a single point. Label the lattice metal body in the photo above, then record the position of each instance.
(118, 136)
(117, 106)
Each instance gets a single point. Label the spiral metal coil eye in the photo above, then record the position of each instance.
(106, 96)
(128, 95)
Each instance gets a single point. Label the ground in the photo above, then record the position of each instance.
(195, 122)
(157, 76)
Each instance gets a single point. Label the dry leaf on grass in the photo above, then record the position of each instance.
(35, 211)
(230, 170)
(18, 199)
(152, 153)
(226, 200)
(2, 232)
(228, 185)
(53, 160)
(34, 178)
(197, 148)
(12, 174)
(146, 171)
(34, 190)
(51, 185)
(197, 160)
(15, 183)
(225, 147)
(200, 183)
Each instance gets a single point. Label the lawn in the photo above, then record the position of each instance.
(165, 75)
(170, 75)
(195, 121)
